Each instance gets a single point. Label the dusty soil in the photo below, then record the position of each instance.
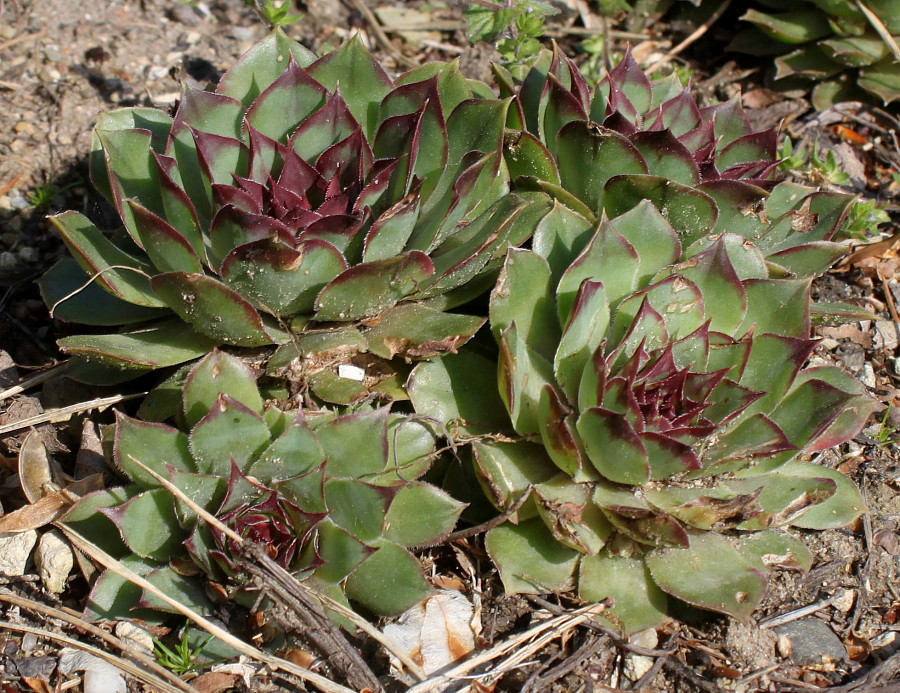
(62, 63)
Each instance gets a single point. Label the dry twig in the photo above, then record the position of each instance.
(380, 37)
(125, 665)
(521, 647)
(295, 592)
(696, 34)
(158, 676)
(273, 662)
(66, 413)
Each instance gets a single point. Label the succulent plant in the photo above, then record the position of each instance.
(844, 48)
(301, 195)
(334, 499)
(659, 402)
(628, 139)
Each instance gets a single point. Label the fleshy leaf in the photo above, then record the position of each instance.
(589, 155)
(362, 81)
(357, 507)
(510, 469)
(154, 445)
(451, 390)
(420, 515)
(356, 444)
(415, 331)
(261, 65)
(282, 279)
(213, 309)
(219, 373)
(522, 296)
(230, 431)
(613, 446)
(148, 524)
(165, 343)
(733, 588)
(65, 288)
(637, 602)
(387, 582)
(97, 255)
(372, 287)
(530, 559)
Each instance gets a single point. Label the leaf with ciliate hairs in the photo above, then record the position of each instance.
(734, 587)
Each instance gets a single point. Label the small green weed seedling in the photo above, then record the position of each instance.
(520, 22)
(182, 658)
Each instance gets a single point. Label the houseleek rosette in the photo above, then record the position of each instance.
(301, 196)
(629, 139)
(660, 406)
(845, 49)
(335, 500)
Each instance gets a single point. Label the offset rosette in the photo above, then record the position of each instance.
(603, 150)
(661, 409)
(335, 500)
(841, 47)
(303, 195)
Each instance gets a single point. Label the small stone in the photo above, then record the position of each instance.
(52, 53)
(23, 127)
(845, 601)
(134, 635)
(183, 14)
(5, 204)
(20, 201)
(243, 33)
(7, 260)
(648, 639)
(885, 335)
(157, 72)
(783, 646)
(635, 666)
(29, 254)
(867, 376)
(15, 550)
(812, 643)
(54, 560)
(14, 224)
(885, 644)
(29, 642)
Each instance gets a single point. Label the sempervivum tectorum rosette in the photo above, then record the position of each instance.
(629, 138)
(302, 192)
(659, 405)
(335, 500)
(844, 47)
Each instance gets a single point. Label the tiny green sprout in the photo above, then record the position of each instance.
(593, 67)
(42, 196)
(864, 217)
(812, 165)
(886, 434)
(520, 22)
(829, 167)
(182, 658)
(790, 160)
(274, 14)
